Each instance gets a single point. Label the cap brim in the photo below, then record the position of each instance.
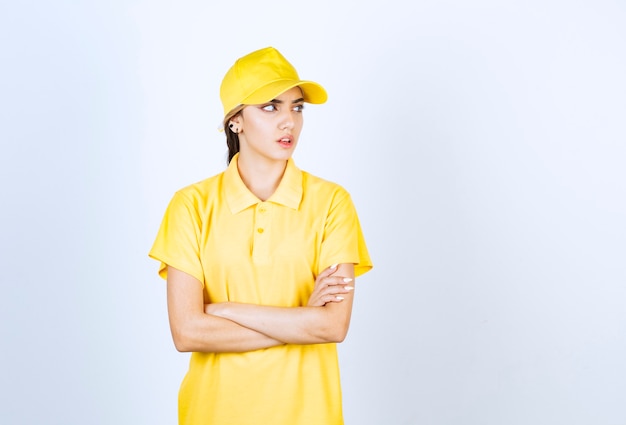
(313, 92)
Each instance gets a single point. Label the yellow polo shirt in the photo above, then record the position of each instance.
(266, 253)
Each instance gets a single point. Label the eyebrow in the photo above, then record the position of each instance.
(299, 100)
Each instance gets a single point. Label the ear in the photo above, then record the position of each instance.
(236, 120)
(234, 124)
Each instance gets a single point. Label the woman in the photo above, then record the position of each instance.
(260, 263)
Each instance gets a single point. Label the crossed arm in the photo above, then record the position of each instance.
(237, 327)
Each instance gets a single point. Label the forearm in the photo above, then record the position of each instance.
(195, 330)
(238, 327)
(211, 334)
(325, 319)
(292, 325)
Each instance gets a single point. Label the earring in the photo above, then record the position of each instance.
(233, 129)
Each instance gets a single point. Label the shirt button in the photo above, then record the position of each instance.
(261, 210)
(260, 230)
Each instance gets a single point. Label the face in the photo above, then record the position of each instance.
(270, 131)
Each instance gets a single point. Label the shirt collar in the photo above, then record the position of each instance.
(239, 197)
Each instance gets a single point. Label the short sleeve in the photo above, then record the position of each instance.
(177, 242)
(343, 240)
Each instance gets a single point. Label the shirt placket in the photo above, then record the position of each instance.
(261, 244)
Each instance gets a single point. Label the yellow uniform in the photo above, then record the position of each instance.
(267, 253)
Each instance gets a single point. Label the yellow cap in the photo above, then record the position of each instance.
(261, 76)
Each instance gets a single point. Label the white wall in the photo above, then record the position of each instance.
(483, 143)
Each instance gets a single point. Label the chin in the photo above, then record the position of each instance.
(286, 154)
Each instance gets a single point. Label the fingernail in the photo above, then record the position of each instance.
(347, 279)
(348, 288)
(339, 298)
(334, 266)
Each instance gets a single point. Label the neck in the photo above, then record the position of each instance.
(260, 177)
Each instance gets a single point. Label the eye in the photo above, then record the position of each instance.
(270, 107)
(298, 108)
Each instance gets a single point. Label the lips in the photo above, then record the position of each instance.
(285, 141)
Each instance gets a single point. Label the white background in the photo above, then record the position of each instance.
(483, 143)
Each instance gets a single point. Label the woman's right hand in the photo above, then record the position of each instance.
(328, 288)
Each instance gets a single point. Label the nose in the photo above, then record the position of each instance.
(287, 121)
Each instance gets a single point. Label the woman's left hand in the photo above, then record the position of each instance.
(328, 288)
